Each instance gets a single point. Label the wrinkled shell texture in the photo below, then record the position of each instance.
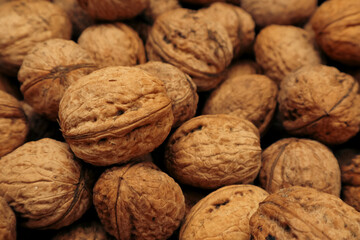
(223, 214)
(243, 67)
(189, 41)
(158, 7)
(284, 12)
(13, 123)
(113, 45)
(43, 183)
(179, 87)
(329, 114)
(7, 221)
(304, 213)
(337, 28)
(279, 50)
(48, 70)
(34, 22)
(252, 97)
(299, 162)
(138, 201)
(211, 151)
(113, 9)
(131, 119)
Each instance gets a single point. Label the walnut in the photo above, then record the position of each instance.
(48, 70)
(279, 50)
(131, 119)
(13, 124)
(113, 45)
(337, 28)
(138, 201)
(284, 12)
(299, 162)
(211, 151)
(44, 184)
(113, 9)
(189, 41)
(206, 219)
(252, 97)
(179, 87)
(304, 213)
(7, 221)
(329, 114)
(243, 67)
(23, 24)
(158, 7)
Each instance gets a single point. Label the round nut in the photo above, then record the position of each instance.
(211, 151)
(7, 221)
(48, 70)
(138, 201)
(131, 119)
(299, 162)
(206, 219)
(330, 115)
(44, 183)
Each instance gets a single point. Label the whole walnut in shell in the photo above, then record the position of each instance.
(337, 29)
(13, 124)
(189, 41)
(179, 87)
(211, 151)
(299, 162)
(252, 97)
(44, 184)
(7, 221)
(48, 70)
(23, 24)
(279, 50)
(223, 214)
(329, 114)
(138, 201)
(113, 45)
(115, 114)
(304, 213)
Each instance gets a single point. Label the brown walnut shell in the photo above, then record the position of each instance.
(243, 67)
(138, 201)
(304, 213)
(7, 221)
(211, 151)
(44, 184)
(328, 114)
(131, 119)
(48, 70)
(223, 214)
(299, 162)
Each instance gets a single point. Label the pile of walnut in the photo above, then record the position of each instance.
(179, 119)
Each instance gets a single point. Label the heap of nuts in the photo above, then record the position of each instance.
(179, 119)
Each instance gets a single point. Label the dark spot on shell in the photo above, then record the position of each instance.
(165, 38)
(112, 80)
(270, 237)
(218, 205)
(102, 140)
(120, 112)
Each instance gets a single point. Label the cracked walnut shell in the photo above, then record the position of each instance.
(138, 201)
(7, 221)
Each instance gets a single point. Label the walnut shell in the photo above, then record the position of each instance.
(243, 67)
(304, 213)
(131, 119)
(44, 183)
(7, 221)
(48, 70)
(211, 151)
(189, 41)
(113, 45)
(23, 24)
(299, 162)
(252, 97)
(329, 114)
(158, 7)
(179, 87)
(223, 214)
(279, 50)
(337, 28)
(13, 124)
(138, 201)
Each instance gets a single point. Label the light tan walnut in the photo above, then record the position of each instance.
(243, 67)
(138, 201)
(7, 221)
(212, 151)
(131, 119)
(328, 114)
(45, 185)
(158, 7)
